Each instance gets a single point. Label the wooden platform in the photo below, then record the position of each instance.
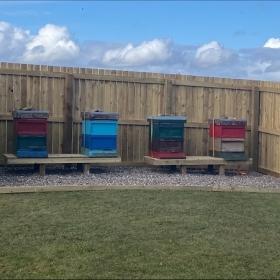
(82, 161)
(196, 161)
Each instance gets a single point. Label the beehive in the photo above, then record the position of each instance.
(166, 136)
(30, 133)
(227, 138)
(99, 133)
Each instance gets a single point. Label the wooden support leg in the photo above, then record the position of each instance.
(210, 168)
(221, 170)
(79, 166)
(183, 169)
(42, 169)
(86, 168)
(36, 167)
(173, 167)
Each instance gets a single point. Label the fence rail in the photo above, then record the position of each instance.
(66, 91)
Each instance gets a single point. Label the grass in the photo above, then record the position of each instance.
(140, 234)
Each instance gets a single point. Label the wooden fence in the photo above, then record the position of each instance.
(65, 92)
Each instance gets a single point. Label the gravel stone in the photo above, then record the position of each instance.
(163, 176)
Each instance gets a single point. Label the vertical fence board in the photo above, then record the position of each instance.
(16, 88)
(255, 127)
(68, 114)
(37, 97)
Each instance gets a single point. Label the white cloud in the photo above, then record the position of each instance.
(212, 54)
(256, 69)
(12, 40)
(53, 43)
(272, 43)
(147, 52)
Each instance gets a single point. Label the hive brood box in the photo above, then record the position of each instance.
(227, 138)
(30, 133)
(166, 137)
(99, 133)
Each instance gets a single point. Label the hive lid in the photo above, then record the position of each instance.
(228, 121)
(29, 113)
(99, 115)
(168, 118)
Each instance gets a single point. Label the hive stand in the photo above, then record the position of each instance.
(193, 161)
(82, 161)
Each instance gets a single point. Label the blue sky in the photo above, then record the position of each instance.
(232, 39)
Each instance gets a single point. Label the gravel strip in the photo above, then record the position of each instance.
(58, 176)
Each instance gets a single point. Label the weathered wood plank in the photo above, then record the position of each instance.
(32, 73)
(68, 111)
(17, 89)
(58, 159)
(255, 127)
(194, 160)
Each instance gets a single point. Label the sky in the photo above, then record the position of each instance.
(228, 39)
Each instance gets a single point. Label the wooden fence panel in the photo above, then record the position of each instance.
(137, 95)
(18, 89)
(269, 130)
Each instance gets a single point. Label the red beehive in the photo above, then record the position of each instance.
(227, 128)
(227, 138)
(27, 127)
(166, 155)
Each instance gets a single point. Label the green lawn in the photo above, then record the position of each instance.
(140, 234)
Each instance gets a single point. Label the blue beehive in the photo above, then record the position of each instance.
(99, 133)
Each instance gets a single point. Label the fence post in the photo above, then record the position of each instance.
(68, 114)
(255, 127)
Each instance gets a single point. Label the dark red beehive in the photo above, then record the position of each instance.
(22, 126)
(227, 128)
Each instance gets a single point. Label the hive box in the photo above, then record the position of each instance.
(166, 137)
(30, 141)
(99, 127)
(164, 129)
(99, 141)
(99, 134)
(227, 144)
(30, 126)
(227, 138)
(227, 128)
(239, 156)
(166, 145)
(31, 153)
(33, 146)
(30, 133)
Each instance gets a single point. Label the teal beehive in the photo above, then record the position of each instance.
(166, 136)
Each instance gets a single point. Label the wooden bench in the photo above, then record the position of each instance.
(82, 161)
(192, 161)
